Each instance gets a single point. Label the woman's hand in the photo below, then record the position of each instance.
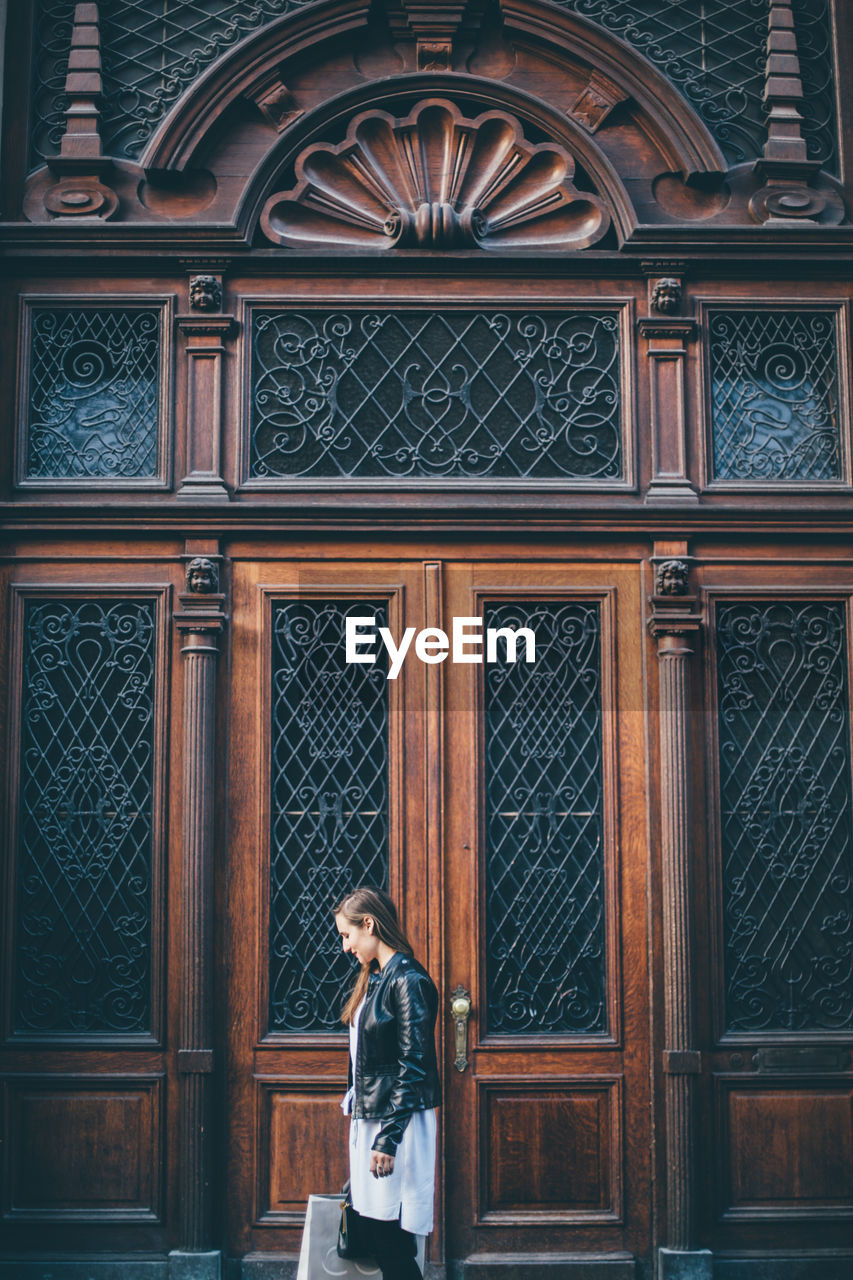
(380, 1164)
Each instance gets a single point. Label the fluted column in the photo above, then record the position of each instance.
(200, 621)
(674, 623)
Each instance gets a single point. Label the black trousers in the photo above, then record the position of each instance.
(394, 1249)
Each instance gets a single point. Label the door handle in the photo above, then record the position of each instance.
(460, 1011)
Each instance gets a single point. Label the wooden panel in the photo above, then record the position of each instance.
(302, 1147)
(789, 1149)
(552, 1153)
(83, 1150)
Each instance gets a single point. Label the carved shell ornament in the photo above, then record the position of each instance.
(435, 180)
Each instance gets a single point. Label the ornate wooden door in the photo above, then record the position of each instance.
(504, 803)
(327, 791)
(547, 1138)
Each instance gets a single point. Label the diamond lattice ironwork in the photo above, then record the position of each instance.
(774, 393)
(329, 803)
(786, 816)
(428, 395)
(83, 954)
(151, 51)
(94, 394)
(545, 932)
(814, 47)
(715, 53)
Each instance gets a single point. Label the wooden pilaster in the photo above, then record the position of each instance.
(200, 621)
(674, 623)
(667, 335)
(205, 338)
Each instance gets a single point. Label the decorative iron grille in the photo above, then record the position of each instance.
(94, 394)
(814, 46)
(774, 391)
(329, 803)
(786, 816)
(83, 954)
(545, 932)
(151, 51)
(456, 394)
(714, 52)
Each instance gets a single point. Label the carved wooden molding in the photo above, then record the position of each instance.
(435, 180)
(425, 19)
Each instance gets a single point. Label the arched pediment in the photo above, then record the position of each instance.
(587, 155)
(251, 71)
(449, 170)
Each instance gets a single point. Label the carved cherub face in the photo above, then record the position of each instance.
(672, 578)
(205, 293)
(666, 296)
(202, 576)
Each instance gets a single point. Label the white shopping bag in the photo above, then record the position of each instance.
(318, 1257)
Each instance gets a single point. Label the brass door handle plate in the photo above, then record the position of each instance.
(460, 1011)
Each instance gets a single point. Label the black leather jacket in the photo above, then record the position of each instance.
(396, 1070)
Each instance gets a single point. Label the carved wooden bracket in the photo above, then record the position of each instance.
(81, 165)
(435, 180)
(673, 616)
(275, 102)
(672, 606)
(592, 107)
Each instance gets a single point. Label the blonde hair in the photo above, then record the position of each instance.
(355, 908)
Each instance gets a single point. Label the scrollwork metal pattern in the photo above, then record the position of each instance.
(814, 49)
(328, 803)
(94, 394)
(774, 392)
(715, 54)
(786, 816)
(83, 954)
(545, 932)
(151, 51)
(436, 395)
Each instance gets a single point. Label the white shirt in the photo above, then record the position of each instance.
(408, 1192)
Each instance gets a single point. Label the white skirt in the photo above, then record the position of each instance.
(409, 1192)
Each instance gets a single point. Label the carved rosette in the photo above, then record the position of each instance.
(435, 180)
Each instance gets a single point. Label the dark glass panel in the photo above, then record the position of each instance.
(94, 387)
(774, 390)
(83, 955)
(329, 803)
(545, 932)
(457, 394)
(786, 817)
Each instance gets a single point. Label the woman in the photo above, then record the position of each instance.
(393, 1082)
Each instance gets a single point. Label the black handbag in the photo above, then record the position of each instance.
(353, 1237)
